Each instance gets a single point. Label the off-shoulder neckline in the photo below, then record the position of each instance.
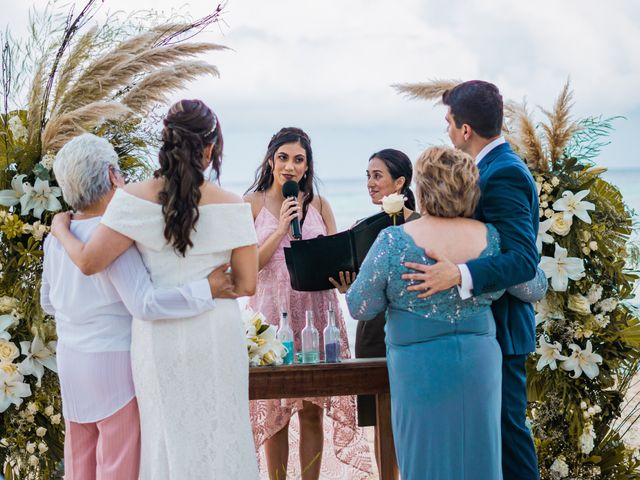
(144, 200)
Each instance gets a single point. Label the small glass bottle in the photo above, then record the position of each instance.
(285, 335)
(331, 336)
(310, 341)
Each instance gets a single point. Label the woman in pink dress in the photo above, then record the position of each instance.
(330, 443)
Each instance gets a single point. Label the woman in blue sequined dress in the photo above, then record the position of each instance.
(443, 358)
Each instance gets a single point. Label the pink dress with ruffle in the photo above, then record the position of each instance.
(346, 452)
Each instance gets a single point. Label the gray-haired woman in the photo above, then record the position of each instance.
(93, 320)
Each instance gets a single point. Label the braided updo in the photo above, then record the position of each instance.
(188, 127)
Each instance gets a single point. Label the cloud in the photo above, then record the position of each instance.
(328, 66)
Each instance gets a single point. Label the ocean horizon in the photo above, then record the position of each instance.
(350, 201)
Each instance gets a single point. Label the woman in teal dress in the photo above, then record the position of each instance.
(443, 358)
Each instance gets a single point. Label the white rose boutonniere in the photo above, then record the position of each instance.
(393, 205)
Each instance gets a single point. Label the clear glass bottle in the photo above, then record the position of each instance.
(310, 341)
(331, 336)
(285, 335)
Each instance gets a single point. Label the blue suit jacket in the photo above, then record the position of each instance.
(509, 201)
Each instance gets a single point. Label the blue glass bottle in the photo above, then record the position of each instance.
(285, 335)
(310, 341)
(331, 336)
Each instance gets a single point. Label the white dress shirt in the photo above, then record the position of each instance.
(93, 322)
(465, 289)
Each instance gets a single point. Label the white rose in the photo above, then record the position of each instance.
(555, 181)
(31, 447)
(41, 432)
(583, 405)
(586, 235)
(8, 368)
(602, 320)
(548, 213)
(42, 447)
(33, 461)
(579, 304)
(593, 245)
(393, 203)
(55, 419)
(32, 408)
(586, 250)
(561, 224)
(8, 351)
(48, 411)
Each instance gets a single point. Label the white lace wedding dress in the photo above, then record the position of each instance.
(191, 374)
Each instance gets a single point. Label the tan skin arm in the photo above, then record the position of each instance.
(244, 270)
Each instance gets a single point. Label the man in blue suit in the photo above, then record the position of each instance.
(509, 201)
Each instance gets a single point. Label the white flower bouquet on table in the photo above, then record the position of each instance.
(263, 346)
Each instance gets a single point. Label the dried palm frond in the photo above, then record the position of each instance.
(117, 69)
(34, 106)
(155, 87)
(78, 55)
(560, 128)
(526, 137)
(62, 128)
(431, 90)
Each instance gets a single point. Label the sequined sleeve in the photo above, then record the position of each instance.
(531, 291)
(367, 296)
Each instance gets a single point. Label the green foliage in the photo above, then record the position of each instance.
(578, 422)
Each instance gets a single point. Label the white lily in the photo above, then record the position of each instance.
(583, 361)
(543, 236)
(38, 356)
(40, 197)
(9, 198)
(549, 353)
(560, 268)
(573, 204)
(6, 322)
(12, 389)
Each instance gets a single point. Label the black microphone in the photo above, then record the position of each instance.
(291, 189)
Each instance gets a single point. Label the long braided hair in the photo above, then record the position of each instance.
(264, 173)
(188, 127)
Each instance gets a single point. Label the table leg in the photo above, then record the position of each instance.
(386, 453)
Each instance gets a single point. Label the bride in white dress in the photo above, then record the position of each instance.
(190, 375)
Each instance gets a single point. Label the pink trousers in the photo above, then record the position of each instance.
(105, 450)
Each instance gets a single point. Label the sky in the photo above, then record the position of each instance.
(328, 66)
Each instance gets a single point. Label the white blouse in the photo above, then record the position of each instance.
(93, 322)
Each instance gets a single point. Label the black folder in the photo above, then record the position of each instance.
(311, 262)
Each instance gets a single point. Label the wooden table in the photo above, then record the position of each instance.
(350, 377)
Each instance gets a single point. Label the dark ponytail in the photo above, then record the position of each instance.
(188, 127)
(399, 165)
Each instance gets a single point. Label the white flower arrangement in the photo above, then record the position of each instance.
(561, 268)
(583, 361)
(263, 346)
